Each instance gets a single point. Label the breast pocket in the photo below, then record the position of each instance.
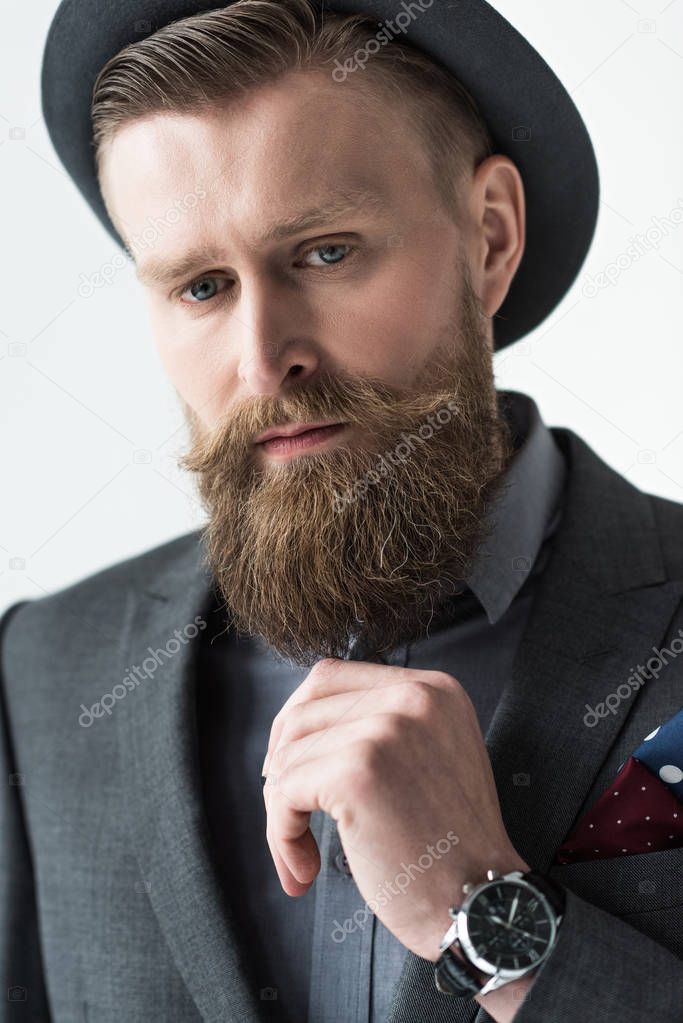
(645, 890)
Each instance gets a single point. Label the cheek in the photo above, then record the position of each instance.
(196, 377)
(390, 327)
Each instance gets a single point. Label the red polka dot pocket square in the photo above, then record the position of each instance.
(642, 810)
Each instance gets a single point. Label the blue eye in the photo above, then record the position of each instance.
(198, 289)
(327, 249)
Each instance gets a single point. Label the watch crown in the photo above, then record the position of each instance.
(467, 887)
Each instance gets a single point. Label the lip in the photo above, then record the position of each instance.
(292, 430)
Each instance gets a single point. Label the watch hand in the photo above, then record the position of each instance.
(511, 927)
(513, 910)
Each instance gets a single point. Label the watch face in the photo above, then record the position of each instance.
(507, 926)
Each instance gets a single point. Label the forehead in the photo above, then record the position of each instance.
(283, 148)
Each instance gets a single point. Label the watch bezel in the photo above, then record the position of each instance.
(469, 950)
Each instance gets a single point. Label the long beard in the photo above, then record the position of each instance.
(361, 541)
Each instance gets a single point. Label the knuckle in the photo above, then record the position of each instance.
(418, 698)
(444, 679)
(324, 666)
(319, 675)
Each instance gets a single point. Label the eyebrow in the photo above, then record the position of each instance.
(165, 271)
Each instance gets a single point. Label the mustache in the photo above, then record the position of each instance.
(365, 402)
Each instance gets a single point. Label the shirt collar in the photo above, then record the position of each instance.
(524, 510)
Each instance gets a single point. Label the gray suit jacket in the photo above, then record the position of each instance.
(111, 909)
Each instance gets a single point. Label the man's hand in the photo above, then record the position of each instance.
(397, 758)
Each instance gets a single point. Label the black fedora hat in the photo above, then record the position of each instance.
(531, 117)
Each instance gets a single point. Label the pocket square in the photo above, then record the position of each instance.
(642, 810)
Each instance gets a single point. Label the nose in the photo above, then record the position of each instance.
(274, 350)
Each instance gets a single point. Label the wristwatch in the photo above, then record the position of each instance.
(505, 928)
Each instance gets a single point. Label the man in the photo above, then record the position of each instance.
(398, 560)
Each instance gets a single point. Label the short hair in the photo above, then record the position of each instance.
(205, 59)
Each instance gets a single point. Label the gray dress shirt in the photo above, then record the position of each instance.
(323, 957)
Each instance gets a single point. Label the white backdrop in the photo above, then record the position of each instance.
(90, 427)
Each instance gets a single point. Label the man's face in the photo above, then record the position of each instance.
(366, 317)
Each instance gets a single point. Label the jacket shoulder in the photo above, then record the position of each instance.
(91, 609)
(669, 518)
(617, 522)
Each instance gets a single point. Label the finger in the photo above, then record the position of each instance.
(318, 715)
(326, 678)
(292, 845)
(308, 748)
(330, 711)
(332, 676)
(307, 782)
(324, 743)
(316, 784)
(290, 883)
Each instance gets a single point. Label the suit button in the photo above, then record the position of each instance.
(341, 863)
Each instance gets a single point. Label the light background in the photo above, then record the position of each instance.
(90, 427)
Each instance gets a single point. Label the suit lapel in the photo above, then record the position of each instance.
(602, 602)
(159, 763)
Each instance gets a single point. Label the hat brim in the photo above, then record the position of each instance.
(531, 117)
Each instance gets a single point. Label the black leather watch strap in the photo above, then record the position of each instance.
(455, 977)
(554, 892)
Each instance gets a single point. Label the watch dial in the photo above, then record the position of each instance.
(509, 926)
